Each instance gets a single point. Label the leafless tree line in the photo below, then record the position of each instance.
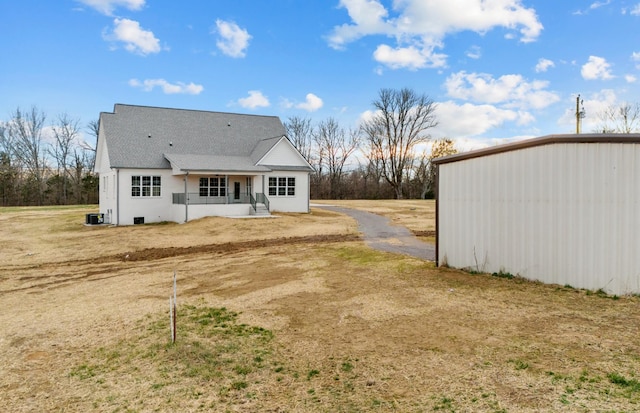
(45, 163)
(378, 159)
(621, 118)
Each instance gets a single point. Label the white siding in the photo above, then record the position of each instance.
(283, 153)
(153, 209)
(564, 213)
(285, 203)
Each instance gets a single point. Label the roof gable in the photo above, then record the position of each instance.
(140, 136)
(284, 154)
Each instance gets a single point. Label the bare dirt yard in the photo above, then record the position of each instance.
(291, 314)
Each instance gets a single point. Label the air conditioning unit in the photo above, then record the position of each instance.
(94, 219)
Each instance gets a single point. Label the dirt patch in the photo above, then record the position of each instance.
(353, 329)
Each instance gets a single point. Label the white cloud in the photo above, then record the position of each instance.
(474, 52)
(544, 65)
(596, 68)
(168, 88)
(108, 6)
(509, 90)
(598, 4)
(635, 11)
(135, 39)
(457, 121)
(233, 40)
(630, 78)
(593, 6)
(419, 27)
(254, 100)
(635, 56)
(408, 57)
(311, 104)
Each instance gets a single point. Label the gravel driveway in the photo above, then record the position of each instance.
(380, 234)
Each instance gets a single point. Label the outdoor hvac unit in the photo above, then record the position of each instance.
(94, 219)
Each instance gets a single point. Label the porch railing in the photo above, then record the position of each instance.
(196, 199)
(262, 198)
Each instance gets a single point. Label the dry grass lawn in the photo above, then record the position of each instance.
(292, 314)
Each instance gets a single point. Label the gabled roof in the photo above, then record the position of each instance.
(141, 136)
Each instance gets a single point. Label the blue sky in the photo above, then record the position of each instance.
(499, 70)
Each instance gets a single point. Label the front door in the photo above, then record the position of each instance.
(236, 191)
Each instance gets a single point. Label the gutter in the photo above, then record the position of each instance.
(437, 195)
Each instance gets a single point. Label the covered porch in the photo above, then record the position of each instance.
(218, 186)
(221, 195)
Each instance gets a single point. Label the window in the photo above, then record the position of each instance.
(282, 186)
(213, 186)
(146, 186)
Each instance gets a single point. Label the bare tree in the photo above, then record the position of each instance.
(94, 130)
(299, 131)
(623, 118)
(441, 147)
(65, 132)
(401, 121)
(9, 172)
(371, 173)
(336, 146)
(25, 131)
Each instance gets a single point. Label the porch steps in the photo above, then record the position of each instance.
(261, 209)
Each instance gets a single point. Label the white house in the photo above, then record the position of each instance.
(162, 164)
(561, 209)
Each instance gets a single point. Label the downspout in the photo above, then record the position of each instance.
(186, 199)
(437, 195)
(308, 193)
(117, 196)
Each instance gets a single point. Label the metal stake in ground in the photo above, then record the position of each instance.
(173, 310)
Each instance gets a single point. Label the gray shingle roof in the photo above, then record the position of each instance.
(140, 136)
(213, 163)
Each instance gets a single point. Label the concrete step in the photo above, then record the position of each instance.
(260, 210)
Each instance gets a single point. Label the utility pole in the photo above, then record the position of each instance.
(580, 114)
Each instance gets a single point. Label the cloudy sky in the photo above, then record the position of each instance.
(499, 70)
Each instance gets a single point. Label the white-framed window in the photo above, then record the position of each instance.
(216, 186)
(282, 186)
(145, 186)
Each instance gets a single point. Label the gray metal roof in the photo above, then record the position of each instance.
(140, 136)
(544, 140)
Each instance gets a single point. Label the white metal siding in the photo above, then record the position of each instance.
(565, 213)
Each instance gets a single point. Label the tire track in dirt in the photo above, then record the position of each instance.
(150, 254)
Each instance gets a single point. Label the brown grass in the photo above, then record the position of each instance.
(324, 324)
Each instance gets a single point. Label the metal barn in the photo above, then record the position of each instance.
(561, 209)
